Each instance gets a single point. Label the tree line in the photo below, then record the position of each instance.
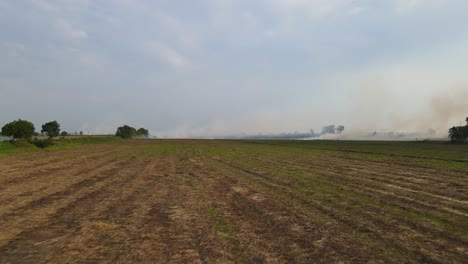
(459, 134)
(23, 129)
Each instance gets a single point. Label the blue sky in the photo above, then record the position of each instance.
(209, 68)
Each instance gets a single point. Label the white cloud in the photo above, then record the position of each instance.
(312, 8)
(44, 5)
(405, 6)
(357, 10)
(262, 65)
(70, 31)
(167, 54)
(13, 49)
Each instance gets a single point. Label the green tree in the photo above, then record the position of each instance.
(19, 129)
(457, 135)
(465, 132)
(126, 131)
(52, 129)
(143, 132)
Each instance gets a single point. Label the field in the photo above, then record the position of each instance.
(158, 201)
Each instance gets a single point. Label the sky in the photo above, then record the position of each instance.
(208, 68)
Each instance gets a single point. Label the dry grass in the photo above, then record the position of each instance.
(153, 201)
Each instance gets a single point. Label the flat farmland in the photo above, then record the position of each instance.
(205, 201)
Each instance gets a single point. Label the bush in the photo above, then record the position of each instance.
(126, 132)
(21, 143)
(143, 132)
(41, 143)
(19, 129)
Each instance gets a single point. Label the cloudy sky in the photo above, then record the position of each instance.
(214, 67)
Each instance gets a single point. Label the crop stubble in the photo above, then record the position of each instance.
(226, 201)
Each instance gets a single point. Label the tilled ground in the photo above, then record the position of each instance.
(221, 201)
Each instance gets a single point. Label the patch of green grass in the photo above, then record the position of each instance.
(436, 154)
(218, 221)
(242, 254)
(418, 217)
(165, 147)
(83, 141)
(21, 146)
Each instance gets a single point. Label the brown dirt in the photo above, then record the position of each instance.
(178, 202)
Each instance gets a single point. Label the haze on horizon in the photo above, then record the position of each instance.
(217, 67)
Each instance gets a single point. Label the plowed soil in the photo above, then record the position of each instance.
(188, 201)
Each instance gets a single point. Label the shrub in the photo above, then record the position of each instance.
(19, 129)
(143, 132)
(42, 143)
(126, 132)
(21, 143)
